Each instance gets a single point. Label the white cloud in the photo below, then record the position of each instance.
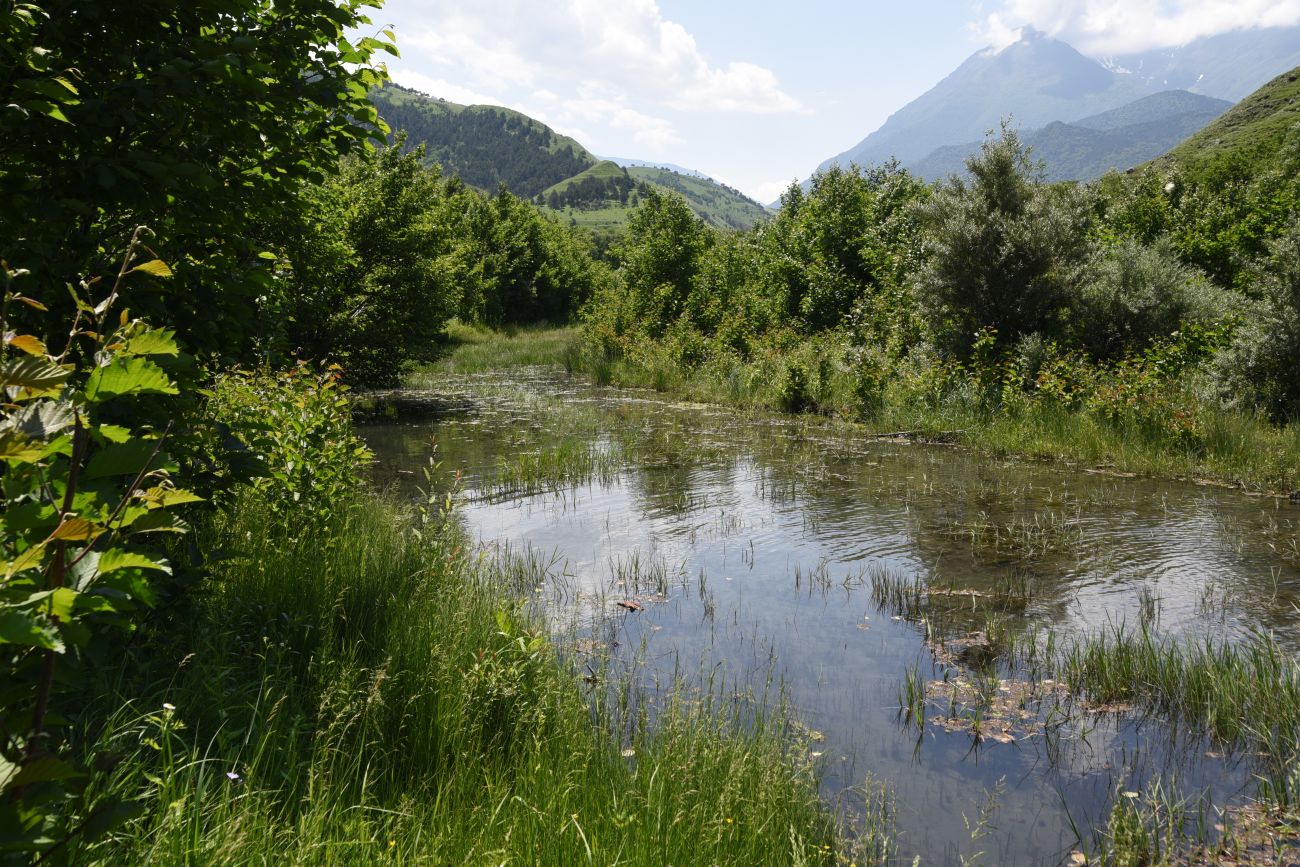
(444, 89)
(1118, 26)
(770, 191)
(627, 44)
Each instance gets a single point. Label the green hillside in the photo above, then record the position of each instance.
(487, 146)
(483, 145)
(1252, 130)
(717, 204)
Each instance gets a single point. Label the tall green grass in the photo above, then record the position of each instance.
(476, 348)
(370, 695)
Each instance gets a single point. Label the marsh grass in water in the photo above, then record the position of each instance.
(573, 462)
(365, 696)
(1232, 447)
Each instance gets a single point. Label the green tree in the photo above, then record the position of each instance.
(371, 276)
(196, 118)
(664, 250)
(1005, 249)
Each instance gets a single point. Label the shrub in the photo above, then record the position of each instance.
(1005, 250)
(298, 427)
(1259, 366)
(1136, 293)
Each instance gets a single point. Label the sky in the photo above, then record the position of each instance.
(754, 94)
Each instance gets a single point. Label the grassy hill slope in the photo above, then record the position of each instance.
(1252, 130)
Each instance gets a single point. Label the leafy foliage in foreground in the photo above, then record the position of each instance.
(193, 117)
(88, 487)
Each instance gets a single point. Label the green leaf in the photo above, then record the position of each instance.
(114, 559)
(120, 459)
(158, 342)
(165, 498)
(40, 421)
(154, 268)
(19, 449)
(128, 376)
(33, 373)
(27, 630)
(43, 770)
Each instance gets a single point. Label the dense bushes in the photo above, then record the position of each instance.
(1132, 302)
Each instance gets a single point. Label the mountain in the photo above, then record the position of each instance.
(1091, 146)
(483, 145)
(1229, 66)
(1039, 80)
(487, 146)
(1036, 80)
(1253, 129)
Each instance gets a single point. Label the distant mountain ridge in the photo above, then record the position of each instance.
(1089, 147)
(487, 146)
(1038, 81)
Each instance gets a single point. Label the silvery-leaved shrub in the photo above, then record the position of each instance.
(1258, 368)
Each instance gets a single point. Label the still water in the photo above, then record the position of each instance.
(751, 546)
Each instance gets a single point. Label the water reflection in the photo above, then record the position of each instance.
(756, 535)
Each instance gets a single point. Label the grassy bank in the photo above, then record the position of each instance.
(1227, 447)
(472, 349)
(366, 694)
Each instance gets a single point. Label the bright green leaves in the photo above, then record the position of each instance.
(127, 376)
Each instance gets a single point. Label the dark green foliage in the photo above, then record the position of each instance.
(1005, 250)
(190, 117)
(664, 251)
(370, 277)
(483, 145)
(532, 269)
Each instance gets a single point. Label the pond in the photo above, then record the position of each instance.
(763, 556)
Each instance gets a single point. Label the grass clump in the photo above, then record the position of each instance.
(367, 694)
(1244, 694)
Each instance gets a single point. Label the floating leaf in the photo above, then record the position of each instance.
(128, 376)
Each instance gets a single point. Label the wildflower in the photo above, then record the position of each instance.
(233, 777)
(392, 844)
(168, 706)
(728, 820)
